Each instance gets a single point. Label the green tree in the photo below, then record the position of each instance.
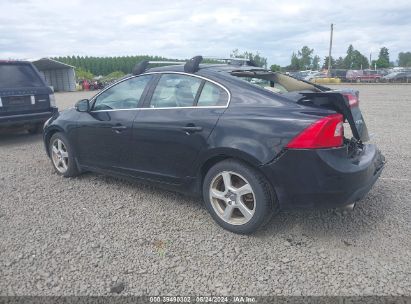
(359, 61)
(236, 54)
(339, 63)
(383, 60)
(315, 65)
(325, 64)
(106, 65)
(83, 74)
(275, 68)
(304, 60)
(295, 63)
(348, 60)
(257, 59)
(305, 57)
(355, 60)
(113, 75)
(404, 59)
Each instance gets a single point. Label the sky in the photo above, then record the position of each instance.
(182, 29)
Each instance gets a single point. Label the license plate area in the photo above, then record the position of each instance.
(12, 101)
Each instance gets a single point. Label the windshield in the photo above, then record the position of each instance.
(18, 75)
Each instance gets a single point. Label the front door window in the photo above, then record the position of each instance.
(124, 95)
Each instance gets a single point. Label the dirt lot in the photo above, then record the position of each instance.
(85, 235)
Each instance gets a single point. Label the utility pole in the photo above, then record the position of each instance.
(329, 52)
(370, 62)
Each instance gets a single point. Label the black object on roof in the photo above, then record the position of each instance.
(193, 64)
(140, 67)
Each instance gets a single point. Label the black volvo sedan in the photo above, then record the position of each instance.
(249, 141)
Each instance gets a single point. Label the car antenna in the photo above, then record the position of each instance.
(193, 64)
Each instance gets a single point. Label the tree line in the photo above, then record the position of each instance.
(106, 65)
(88, 66)
(304, 59)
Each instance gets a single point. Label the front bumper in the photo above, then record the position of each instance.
(323, 178)
(26, 118)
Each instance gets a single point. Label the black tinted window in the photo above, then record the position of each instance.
(125, 95)
(175, 90)
(212, 95)
(18, 75)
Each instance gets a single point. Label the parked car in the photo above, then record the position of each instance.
(339, 73)
(312, 76)
(207, 130)
(25, 99)
(398, 77)
(303, 74)
(363, 76)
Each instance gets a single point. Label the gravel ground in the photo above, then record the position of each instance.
(98, 235)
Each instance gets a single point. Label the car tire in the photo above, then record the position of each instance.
(62, 156)
(35, 129)
(227, 204)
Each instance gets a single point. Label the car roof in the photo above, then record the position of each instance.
(213, 67)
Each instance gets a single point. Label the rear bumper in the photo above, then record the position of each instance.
(27, 118)
(323, 178)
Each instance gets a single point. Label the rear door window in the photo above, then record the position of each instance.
(212, 95)
(19, 75)
(175, 90)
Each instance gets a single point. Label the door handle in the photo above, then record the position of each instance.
(192, 129)
(118, 128)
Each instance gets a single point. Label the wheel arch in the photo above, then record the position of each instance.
(222, 154)
(48, 134)
(219, 155)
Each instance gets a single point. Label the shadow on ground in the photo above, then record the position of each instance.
(17, 136)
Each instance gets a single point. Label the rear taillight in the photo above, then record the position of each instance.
(352, 100)
(52, 100)
(328, 132)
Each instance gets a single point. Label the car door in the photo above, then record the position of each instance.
(104, 133)
(173, 127)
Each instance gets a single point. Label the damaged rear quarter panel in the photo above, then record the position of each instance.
(262, 131)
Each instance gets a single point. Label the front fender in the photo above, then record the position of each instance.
(64, 122)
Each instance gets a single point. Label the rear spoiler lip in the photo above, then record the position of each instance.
(339, 104)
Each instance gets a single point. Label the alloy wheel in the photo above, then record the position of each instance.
(59, 155)
(232, 198)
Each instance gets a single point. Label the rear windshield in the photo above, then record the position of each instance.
(275, 82)
(19, 75)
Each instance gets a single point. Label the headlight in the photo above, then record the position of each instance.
(52, 100)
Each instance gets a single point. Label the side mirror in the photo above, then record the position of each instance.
(82, 105)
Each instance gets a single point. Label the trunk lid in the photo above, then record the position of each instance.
(339, 102)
